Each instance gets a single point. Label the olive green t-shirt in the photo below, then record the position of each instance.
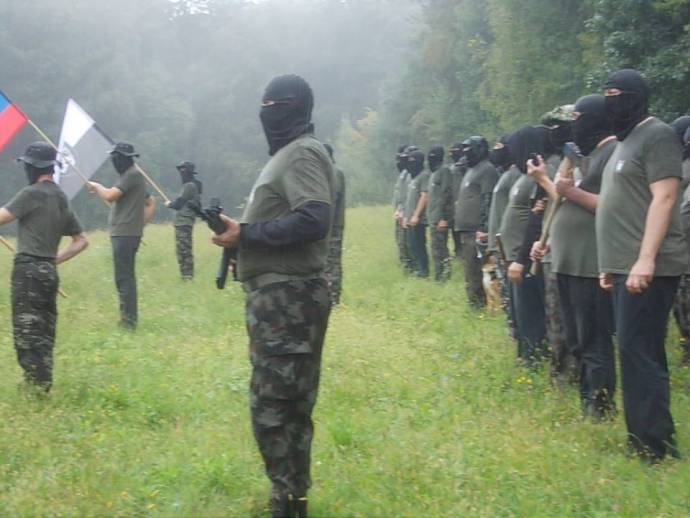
(400, 190)
(650, 153)
(478, 180)
(127, 213)
(499, 202)
(685, 209)
(339, 209)
(440, 196)
(417, 186)
(44, 216)
(298, 173)
(185, 217)
(573, 236)
(516, 216)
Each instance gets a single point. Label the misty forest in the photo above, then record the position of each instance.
(423, 409)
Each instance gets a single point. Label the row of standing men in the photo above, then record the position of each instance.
(585, 220)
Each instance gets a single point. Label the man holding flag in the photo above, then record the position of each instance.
(132, 208)
(44, 216)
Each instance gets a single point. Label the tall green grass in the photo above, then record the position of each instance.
(422, 410)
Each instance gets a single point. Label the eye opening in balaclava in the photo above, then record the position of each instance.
(435, 157)
(286, 110)
(455, 152)
(523, 143)
(500, 154)
(475, 149)
(631, 106)
(415, 162)
(591, 125)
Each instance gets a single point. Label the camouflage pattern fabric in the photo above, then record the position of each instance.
(286, 323)
(473, 270)
(34, 315)
(505, 298)
(334, 269)
(184, 250)
(681, 312)
(404, 253)
(440, 254)
(565, 367)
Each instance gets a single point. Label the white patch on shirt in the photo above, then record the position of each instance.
(619, 166)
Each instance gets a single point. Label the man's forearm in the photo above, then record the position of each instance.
(149, 209)
(584, 199)
(656, 226)
(421, 205)
(78, 244)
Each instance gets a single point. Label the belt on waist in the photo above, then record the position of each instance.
(28, 258)
(265, 279)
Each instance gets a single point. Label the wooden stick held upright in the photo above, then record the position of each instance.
(153, 184)
(9, 246)
(47, 139)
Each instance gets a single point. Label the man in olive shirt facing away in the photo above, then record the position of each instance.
(185, 217)
(471, 219)
(439, 212)
(641, 256)
(132, 208)
(415, 220)
(334, 270)
(44, 216)
(282, 244)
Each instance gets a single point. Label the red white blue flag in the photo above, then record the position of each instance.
(12, 119)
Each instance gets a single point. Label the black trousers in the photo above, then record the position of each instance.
(641, 322)
(587, 312)
(528, 306)
(124, 255)
(417, 241)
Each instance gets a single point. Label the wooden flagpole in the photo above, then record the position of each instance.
(9, 246)
(153, 184)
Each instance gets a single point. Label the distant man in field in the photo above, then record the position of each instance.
(132, 208)
(439, 212)
(399, 197)
(282, 244)
(185, 217)
(334, 270)
(415, 220)
(44, 216)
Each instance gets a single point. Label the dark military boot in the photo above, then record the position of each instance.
(288, 506)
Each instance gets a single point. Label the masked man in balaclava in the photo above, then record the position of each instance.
(282, 244)
(681, 306)
(472, 214)
(399, 197)
(415, 221)
(439, 212)
(458, 169)
(132, 208)
(641, 256)
(501, 158)
(185, 216)
(44, 216)
(587, 309)
(334, 271)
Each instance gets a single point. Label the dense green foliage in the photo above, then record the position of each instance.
(422, 410)
(489, 67)
(183, 80)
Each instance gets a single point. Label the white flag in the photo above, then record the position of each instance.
(83, 146)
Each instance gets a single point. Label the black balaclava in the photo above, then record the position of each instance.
(399, 159)
(686, 144)
(523, 143)
(680, 126)
(560, 134)
(34, 173)
(500, 154)
(456, 152)
(121, 162)
(631, 106)
(415, 162)
(286, 111)
(475, 150)
(592, 126)
(544, 134)
(435, 157)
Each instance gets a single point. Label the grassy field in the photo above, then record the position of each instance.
(422, 410)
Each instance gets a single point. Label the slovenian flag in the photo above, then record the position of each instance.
(83, 148)
(12, 119)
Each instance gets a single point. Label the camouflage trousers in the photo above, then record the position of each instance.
(286, 323)
(440, 254)
(506, 304)
(185, 251)
(473, 270)
(565, 367)
(34, 315)
(334, 267)
(404, 252)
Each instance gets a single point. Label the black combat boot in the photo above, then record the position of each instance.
(289, 506)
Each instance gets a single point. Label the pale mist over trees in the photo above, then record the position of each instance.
(183, 80)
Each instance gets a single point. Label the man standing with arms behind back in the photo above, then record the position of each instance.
(185, 218)
(132, 208)
(282, 245)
